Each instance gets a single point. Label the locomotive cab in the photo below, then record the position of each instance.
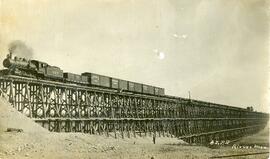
(41, 66)
(44, 70)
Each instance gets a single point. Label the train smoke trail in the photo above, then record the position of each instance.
(20, 49)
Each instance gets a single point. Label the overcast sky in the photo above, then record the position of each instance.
(217, 50)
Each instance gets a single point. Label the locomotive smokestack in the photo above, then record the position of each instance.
(20, 49)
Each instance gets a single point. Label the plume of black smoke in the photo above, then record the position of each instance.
(20, 49)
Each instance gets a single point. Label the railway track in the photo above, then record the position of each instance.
(64, 107)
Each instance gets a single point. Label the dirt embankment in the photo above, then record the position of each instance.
(35, 142)
(11, 118)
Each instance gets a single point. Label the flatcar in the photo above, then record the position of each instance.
(41, 70)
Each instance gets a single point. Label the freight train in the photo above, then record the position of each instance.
(41, 70)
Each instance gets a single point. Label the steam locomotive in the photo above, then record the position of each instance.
(41, 70)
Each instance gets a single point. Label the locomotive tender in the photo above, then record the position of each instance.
(41, 70)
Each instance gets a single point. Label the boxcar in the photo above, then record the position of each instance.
(123, 85)
(131, 86)
(94, 79)
(77, 78)
(71, 77)
(97, 80)
(148, 89)
(119, 84)
(114, 83)
(138, 87)
(159, 91)
(84, 79)
(104, 81)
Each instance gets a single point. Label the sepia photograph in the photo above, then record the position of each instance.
(134, 79)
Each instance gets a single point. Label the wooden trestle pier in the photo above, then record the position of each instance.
(63, 107)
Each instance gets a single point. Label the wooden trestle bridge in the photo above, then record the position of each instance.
(63, 107)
